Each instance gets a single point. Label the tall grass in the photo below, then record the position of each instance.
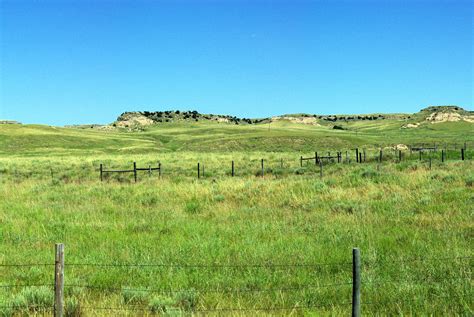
(413, 225)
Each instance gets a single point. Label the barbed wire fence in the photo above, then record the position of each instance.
(425, 153)
(357, 285)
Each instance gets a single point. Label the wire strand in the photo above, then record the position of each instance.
(207, 290)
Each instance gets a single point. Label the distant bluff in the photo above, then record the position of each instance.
(436, 114)
(431, 114)
(145, 118)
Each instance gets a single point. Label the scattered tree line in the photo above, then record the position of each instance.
(193, 115)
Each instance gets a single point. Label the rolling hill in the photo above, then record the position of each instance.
(169, 131)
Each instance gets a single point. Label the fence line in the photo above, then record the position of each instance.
(357, 283)
(215, 290)
(360, 157)
(414, 259)
(267, 265)
(134, 170)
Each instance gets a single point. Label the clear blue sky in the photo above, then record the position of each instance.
(65, 62)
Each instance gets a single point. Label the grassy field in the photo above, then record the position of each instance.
(277, 245)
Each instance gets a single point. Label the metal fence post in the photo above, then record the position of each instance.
(263, 169)
(59, 280)
(101, 169)
(135, 171)
(355, 282)
(199, 171)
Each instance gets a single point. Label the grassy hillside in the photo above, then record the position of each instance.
(223, 137)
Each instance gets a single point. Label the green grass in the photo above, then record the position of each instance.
(35, 140)
(413, 225)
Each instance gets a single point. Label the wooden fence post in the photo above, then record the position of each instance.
(315, 158)
(360, 157)
(355, 282)
(301, 161)
(442, 155)
(357, 155)
(159, 169)
(399, 156)
(263, 169)
(233, 169)
(339, 157)
(59, 280)
(199, 171)
(101, 169)
(380, 157)
(462, 154)
(135, 171)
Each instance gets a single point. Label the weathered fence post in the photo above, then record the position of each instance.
(301, 161)
(59, 280)
(357, 155)
(159, 169)
(462, 154)
(233, 169)
(339, 157)
(263, 169)
(442, 155)
(101, 169)
(399, 156)
(199, 171)
(355, 282)
(360, 157)
(135, 171)
(380, 156)
(315, 158)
